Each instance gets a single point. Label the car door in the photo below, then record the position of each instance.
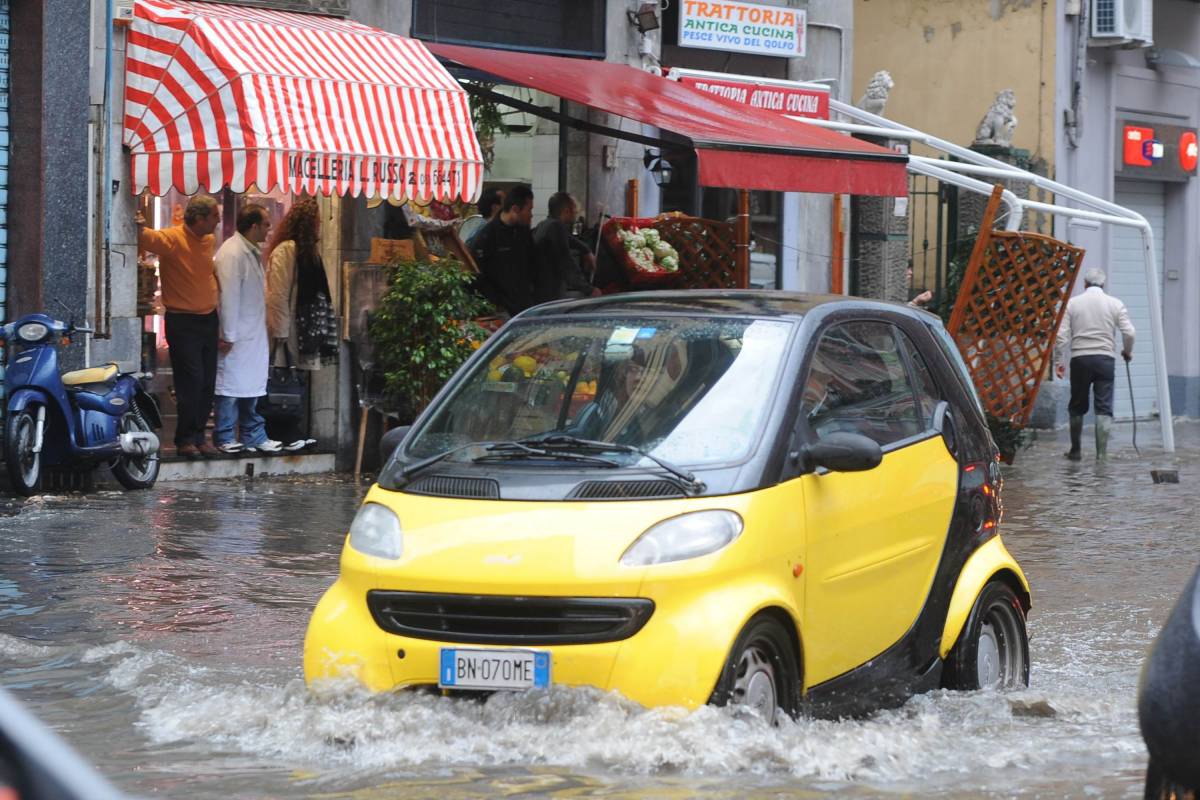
(874, 538)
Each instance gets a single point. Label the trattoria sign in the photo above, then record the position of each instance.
(742, 27)
(794, 101)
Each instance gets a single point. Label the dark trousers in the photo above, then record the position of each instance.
(192, 342)
(1095, 373)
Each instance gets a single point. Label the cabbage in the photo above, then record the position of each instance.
(652, 236)
(670, 263)
(663, 250)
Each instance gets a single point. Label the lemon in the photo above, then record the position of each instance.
(526, 364)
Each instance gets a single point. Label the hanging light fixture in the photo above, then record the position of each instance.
(660, 169)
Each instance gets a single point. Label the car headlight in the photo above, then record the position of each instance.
(686, 536)
(376, 532)
(32, 332)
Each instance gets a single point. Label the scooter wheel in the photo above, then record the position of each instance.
(135, 472)
(24, 465)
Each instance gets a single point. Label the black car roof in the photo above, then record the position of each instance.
(737, 302)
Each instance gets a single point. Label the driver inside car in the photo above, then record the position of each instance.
(623, 392)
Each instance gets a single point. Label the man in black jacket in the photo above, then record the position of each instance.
(505, 254)
(560, 255)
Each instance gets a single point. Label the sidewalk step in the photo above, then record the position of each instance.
(174, 468)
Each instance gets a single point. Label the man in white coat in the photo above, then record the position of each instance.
(242, 348)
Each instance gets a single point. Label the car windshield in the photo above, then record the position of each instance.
(689, 391)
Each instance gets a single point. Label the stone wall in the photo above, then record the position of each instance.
(879, 248)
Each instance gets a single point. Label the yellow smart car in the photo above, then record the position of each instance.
(778, 500)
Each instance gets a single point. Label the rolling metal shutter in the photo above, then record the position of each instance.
(1127, 280)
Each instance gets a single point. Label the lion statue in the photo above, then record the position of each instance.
(999, 123)
(876, 96)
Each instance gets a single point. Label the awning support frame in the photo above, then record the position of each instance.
(979, 164)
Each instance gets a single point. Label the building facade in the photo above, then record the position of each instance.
(75, 243)
(1086, 74)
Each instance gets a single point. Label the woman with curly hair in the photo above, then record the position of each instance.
(299, 314)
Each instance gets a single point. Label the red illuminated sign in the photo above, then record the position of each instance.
(1156, 150)
(1188, 151)
(1136, 152)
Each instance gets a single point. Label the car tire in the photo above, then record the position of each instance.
(761, 672)
(24, 465)
(993, 650)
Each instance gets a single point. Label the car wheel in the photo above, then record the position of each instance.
(761, 672)
(993, 650)
(24, 465)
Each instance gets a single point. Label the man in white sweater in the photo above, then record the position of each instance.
(1088, 328)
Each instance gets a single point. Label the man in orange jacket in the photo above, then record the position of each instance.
(189, 292)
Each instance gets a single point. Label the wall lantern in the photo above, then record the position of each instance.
(660, 169)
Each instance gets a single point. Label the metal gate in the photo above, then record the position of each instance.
(932, 220)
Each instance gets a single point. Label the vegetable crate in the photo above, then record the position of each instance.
(704, 247)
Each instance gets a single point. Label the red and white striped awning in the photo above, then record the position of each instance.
(223, 95)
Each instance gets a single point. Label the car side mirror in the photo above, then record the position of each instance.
(390, 441)
(843, 452)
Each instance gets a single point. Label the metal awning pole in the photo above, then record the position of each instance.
(741, 261)
(1165, 419)
(978, 158)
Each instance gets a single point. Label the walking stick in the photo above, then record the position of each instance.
(1132, 410)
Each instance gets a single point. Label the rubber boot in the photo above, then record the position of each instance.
(1103, 429)
(1076, 436)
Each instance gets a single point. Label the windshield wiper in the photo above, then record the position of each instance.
(689, 480)
(417, 466)
(519, 449)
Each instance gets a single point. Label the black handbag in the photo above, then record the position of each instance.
(285, 388)
(316, 327)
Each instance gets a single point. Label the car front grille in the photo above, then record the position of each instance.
(494, 619)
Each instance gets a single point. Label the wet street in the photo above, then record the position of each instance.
(161, 634)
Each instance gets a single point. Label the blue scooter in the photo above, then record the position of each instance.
(74, 419)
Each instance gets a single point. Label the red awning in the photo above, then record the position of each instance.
(736, 146)
(224, 95)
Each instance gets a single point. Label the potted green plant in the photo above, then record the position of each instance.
(486, 118)
(424, 329)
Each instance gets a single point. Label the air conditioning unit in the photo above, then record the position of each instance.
(1123, 22)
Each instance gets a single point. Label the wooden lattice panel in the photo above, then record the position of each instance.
(705, 246)
(1007, 314)
(706, 251)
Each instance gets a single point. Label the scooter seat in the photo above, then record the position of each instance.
(106, 374)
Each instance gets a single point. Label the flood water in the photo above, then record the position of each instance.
(161, 634)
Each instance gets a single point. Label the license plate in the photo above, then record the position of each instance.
(494, 669)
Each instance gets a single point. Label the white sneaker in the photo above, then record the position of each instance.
(296, 445)
(231, 447)
(266, 446)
